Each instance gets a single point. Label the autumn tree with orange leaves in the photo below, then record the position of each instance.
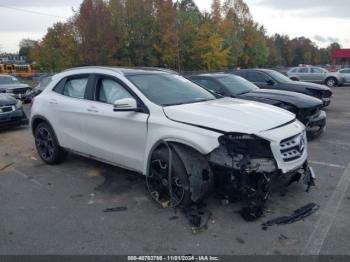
(167, 34)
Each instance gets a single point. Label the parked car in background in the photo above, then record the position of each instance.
(176, 133)
(344, 75)
(306, 108)
(12, 86)
(270, 79)
(315, 75)
(11, 112)
(42, 84)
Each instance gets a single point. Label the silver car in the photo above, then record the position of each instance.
(344, 75)
(315, 75)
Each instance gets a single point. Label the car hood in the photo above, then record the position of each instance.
(308, 85)
(230, 115)
(7, 100)
(13, 86)
(297, 99)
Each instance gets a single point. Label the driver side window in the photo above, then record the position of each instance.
(108, 91)
(257, 77)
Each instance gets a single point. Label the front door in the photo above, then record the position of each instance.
(116, 137)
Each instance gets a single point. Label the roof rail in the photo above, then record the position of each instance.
(159, 69)
(114, 69)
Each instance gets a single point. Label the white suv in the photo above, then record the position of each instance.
(148, 120)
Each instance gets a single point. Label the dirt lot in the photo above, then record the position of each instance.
(58, 209)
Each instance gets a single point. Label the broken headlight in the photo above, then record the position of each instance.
(244, 144)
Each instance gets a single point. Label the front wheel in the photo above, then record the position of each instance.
(173, 191)
(47, 145)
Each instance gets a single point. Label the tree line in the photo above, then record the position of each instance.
(169, 34)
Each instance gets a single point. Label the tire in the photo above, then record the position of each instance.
(331, 82)
(180, 182)
(47, 145)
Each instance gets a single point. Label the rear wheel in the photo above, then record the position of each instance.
(331, 82)
(168, 192)
(47, 145)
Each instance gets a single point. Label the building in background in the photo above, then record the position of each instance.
(341, 58)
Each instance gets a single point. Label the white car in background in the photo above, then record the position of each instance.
(180, 136)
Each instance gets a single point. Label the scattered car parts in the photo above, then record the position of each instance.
(297, 215)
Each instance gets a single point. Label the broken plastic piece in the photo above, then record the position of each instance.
(297, 215)
(115, 209)
(309, 178)
(198, 217)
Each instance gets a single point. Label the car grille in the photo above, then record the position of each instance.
(293, 147)
(7, 109)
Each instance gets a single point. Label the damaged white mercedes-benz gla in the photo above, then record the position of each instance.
(184, 139)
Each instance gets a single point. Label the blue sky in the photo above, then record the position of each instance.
(322, 21)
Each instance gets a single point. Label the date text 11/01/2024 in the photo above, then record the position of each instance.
(173, 258)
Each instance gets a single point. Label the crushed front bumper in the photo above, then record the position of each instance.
(317, 123)
(326, 101)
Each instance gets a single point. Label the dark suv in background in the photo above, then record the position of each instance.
(306, 108)
(270, 79)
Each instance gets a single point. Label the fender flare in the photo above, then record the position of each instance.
(42, 119)
(199, 171)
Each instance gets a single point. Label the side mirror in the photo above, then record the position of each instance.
(270, 82)
(125, 104)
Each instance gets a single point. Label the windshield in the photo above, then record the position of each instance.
(8, 80)
(44, 82)
(169, 89)
(279, 77)
(237, 85)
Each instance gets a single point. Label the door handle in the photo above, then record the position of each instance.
(53, 102)
(92, 109)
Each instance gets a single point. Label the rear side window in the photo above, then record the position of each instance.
(109, 91)
(303, 70)
(75, 87)
(316, 70)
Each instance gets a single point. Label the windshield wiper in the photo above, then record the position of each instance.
(187, 102)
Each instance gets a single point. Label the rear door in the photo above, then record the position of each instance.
(115, 137)
(67, 107)
(317, 75)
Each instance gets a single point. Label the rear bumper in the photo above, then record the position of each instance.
(15, 118)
